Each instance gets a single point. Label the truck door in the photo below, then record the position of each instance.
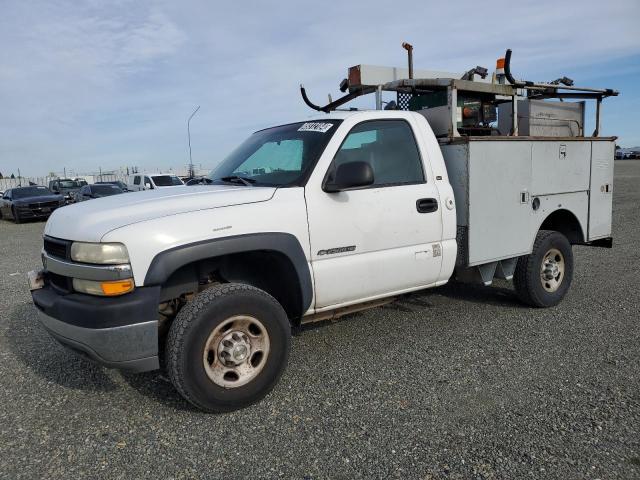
(384, 238)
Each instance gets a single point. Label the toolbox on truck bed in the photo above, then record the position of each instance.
(505, 187)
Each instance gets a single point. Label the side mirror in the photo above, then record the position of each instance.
(350, 175)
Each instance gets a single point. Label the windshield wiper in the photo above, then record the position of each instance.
(238, 179)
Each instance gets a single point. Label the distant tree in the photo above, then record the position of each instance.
(13, 176)
(1, 177)
(617, 147)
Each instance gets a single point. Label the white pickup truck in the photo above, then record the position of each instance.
(306, 221)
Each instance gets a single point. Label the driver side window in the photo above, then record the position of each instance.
(388, 146)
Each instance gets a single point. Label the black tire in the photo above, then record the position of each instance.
(16, 215)
(189, 334)
(527, 278)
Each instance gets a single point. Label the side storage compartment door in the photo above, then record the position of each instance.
(499, 200)
(601, 190)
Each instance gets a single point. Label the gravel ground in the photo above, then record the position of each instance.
(460, 381)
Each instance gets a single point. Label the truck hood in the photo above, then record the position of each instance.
(90, 221)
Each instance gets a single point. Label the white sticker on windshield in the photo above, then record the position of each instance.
(315, 127)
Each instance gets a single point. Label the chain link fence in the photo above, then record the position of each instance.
(7, 183)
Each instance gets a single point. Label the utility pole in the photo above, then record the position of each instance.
(191, 172)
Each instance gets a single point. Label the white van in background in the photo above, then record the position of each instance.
(150, 181)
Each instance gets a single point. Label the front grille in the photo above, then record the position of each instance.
(57, 248)
(51, 204)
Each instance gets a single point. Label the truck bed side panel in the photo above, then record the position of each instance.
(456, 158)
(601, 190)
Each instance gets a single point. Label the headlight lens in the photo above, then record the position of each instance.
(101, 253)
(105, 289)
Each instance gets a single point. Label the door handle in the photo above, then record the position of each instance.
(427, 205)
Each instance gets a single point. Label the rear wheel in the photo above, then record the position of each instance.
(543, 277)
(228, 347)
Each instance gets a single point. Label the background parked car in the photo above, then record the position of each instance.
(118, 183)
(198, 181)
(149, 181)
(21, 203)
(97, 191)
(66, 187)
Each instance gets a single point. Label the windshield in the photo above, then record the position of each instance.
(166, 180)
(279, 156)
(105, 190)
(68, 184)
(26, 192)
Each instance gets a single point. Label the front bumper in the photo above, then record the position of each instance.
(28, 212)
(119, 332)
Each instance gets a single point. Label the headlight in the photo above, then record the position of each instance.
(101, 253)
(105, 289)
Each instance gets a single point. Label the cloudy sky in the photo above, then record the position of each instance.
(95, 84)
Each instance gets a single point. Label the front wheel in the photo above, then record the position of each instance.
(16, 215)
(543, 277)
(228, 347)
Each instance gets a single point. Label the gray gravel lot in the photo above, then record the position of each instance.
(460, 381)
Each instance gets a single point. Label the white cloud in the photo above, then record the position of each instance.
(112, 83)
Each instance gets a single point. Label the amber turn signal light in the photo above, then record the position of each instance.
(119, 287)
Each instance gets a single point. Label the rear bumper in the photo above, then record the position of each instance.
(120, 332)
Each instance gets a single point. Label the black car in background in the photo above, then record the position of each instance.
(97, 191)
(22, 203)
(118, 183)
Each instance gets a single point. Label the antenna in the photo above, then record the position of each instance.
(191, 172)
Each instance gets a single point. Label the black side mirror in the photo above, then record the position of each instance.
(350, 175)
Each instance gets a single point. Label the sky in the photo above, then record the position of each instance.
(89, 85)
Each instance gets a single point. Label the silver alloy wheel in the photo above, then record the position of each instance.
(236, 351)
(552, 270)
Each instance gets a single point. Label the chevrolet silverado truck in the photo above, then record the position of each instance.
(309, 221)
